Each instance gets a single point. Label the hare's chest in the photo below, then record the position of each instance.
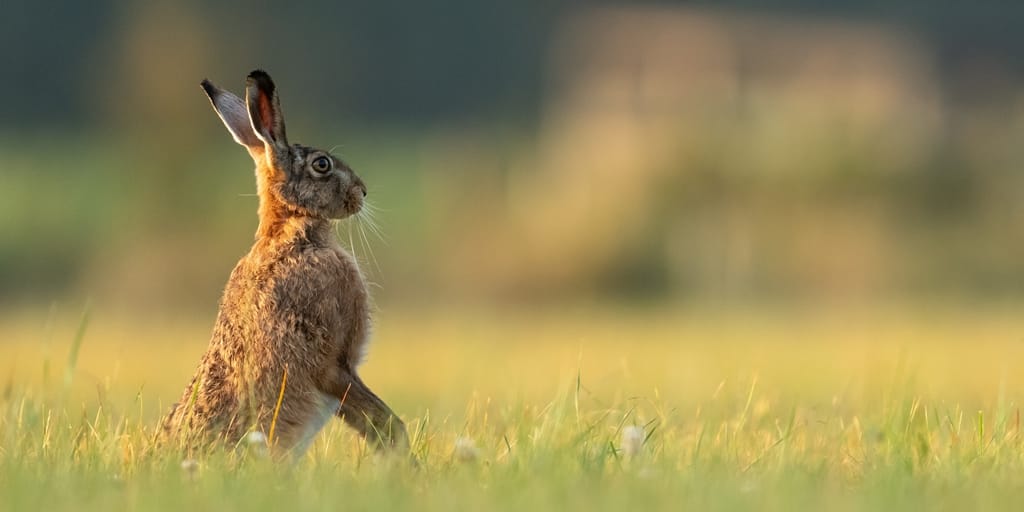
(320, 301)
(344, 285)
(325, 282)
(354, 299)
(339, 301)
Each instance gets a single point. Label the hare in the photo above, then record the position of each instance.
(295, 315)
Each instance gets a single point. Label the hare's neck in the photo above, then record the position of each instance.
(279, 223)
(294, 230)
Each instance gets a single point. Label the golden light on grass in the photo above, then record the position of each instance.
(787, 407)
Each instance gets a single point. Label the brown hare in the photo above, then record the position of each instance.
(295, 315)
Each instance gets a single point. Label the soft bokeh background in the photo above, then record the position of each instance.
(550, 174)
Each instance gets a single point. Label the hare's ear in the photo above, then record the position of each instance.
(231, 110)
(265, 112)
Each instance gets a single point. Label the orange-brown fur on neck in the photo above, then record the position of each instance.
(276, 219)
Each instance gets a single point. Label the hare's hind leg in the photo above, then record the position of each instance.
(367, 413)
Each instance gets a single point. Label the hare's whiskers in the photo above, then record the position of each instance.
(367, 215)
(373, 206)
(371, 222)
(366, 243)
(351, 243)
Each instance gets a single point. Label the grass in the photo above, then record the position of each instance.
(734, 409)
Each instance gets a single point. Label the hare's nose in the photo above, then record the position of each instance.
(358, 183)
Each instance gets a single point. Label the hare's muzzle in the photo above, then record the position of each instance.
(359, 187)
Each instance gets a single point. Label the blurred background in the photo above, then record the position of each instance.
(528, 151)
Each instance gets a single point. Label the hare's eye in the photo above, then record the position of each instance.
(321, 164)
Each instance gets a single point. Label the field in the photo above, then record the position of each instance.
(589, 408)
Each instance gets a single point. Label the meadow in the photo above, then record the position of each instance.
(589, 407)
(629, 256)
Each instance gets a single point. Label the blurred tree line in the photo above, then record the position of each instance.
(401, 62)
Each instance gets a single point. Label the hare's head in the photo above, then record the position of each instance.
(292, 179)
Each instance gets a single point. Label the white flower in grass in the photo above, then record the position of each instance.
(633, 440)
(257, 442)
(190, 467)
(256, 438)
(465, 449)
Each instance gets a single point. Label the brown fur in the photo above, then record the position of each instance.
(296, 303)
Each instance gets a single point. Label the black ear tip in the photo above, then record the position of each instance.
(211, 90)
(261, 79)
